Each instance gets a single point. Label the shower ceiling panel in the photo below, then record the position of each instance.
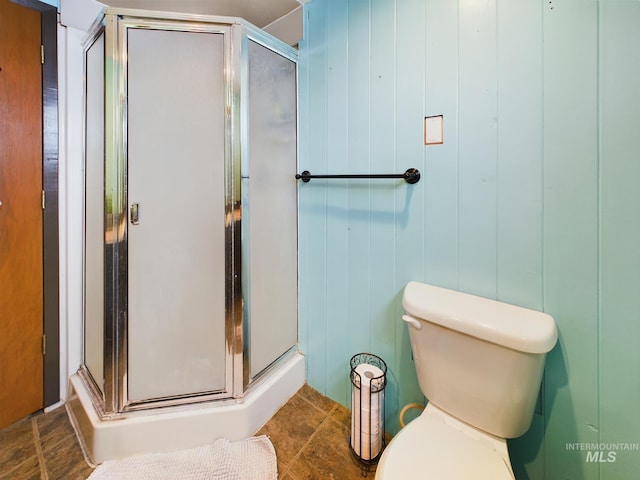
(259, 12)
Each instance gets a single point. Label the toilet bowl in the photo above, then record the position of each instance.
(479, 362)
(438, 446)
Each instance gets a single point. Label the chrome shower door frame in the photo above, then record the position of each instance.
(112, 397)
(253, 35)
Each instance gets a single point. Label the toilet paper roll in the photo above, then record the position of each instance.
(365, 420)
(368, 373)
(366, 447)
(367, 407)
(363, 398)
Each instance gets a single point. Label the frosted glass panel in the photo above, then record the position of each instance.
(176, 254)
(272, 206)
(94, 213)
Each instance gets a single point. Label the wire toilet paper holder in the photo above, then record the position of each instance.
(368, 380)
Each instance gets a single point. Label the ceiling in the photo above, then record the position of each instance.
(258, 12)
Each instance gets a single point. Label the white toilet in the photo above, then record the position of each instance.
(479, 363)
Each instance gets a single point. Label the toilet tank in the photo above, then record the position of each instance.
(478, 359)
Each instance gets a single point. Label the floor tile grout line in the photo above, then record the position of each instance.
(5, 468)
(5, 474)
(36, 440)
(317, 407)
(311, 437)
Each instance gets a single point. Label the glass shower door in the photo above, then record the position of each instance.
(94, 214)
(270, 238)
(176, 343)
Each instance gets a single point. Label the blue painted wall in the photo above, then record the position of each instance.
(533, 199)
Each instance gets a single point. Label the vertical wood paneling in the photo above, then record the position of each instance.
(620, 233)
(410, 223)
(519, 169)
(312, 196)
(532, 199)
(441, 172)
(337, 354)
(570, 234)
(359, 207)
(477, 129)
(382, 193)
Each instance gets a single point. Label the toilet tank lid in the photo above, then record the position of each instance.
(508, 325)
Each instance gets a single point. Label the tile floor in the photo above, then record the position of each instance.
(310, 434)
(43, 446)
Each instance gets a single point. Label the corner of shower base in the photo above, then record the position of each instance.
(179, 428)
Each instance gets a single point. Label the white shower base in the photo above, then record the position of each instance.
(174, 428)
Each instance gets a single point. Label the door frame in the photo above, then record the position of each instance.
(51, 270)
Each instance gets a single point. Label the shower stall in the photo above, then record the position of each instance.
(190, 248)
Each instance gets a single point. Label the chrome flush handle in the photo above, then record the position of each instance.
(414, 322)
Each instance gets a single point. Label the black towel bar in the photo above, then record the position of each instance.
(412, 175)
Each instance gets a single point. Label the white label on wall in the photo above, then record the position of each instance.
(433, 130)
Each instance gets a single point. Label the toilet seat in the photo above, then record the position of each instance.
(429, 448)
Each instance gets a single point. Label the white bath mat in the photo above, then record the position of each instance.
(250, 459)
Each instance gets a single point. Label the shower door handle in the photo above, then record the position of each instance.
(134, 214)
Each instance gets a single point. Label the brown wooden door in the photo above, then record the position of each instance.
(21, 262)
